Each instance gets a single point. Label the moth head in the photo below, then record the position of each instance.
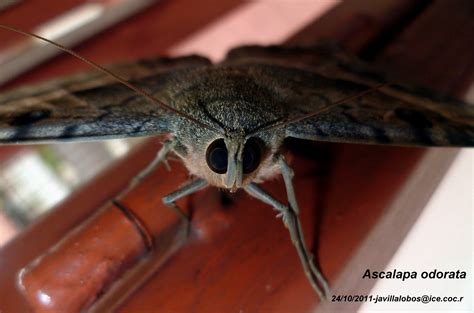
(234, 161)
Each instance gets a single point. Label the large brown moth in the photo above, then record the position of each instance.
(228, 121)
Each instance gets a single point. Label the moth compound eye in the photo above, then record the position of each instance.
(251, 155)
(216, 156)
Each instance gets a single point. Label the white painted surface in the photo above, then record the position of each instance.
(441, 239)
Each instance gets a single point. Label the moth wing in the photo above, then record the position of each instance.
(311, 79)
(325, 57)
(92, 105)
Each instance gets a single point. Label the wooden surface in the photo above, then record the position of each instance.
(357, 201)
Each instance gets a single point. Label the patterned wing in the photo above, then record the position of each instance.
(313, 78)
(92, 105)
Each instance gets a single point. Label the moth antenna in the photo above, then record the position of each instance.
(111, 74)
(279, 123)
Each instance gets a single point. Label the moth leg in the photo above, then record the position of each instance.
(288, 174)
(189, 188)
(291, 221)
(160, 157)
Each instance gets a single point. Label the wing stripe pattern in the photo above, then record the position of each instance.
(396, 114)
(297, 81)
(90, 105)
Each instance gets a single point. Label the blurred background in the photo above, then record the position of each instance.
(34, 179)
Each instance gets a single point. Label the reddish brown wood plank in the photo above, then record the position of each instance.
(442, 43)
(92, 255)
(8, 152)
(369, 20)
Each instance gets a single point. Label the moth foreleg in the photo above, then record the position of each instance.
(189, 188)
(159, 158)
(288, 174)
(293, 224)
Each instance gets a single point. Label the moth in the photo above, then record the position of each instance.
(228, 122)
